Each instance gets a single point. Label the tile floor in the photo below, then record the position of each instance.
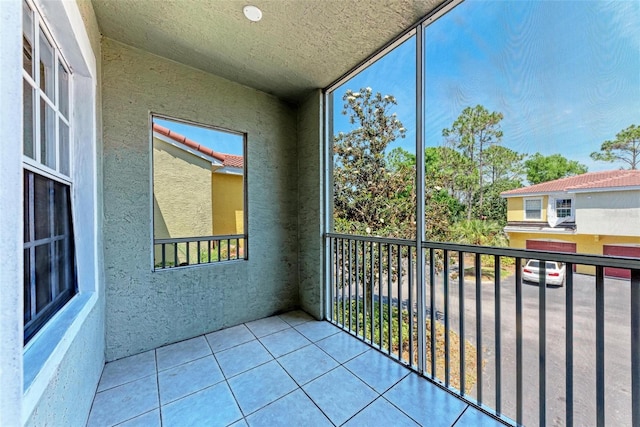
(287, 370)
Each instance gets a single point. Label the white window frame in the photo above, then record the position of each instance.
(36, 164)
(524, 207)
(571, 207)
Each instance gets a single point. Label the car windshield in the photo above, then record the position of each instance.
(550, 265)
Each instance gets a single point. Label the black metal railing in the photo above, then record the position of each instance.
(485, 327)
(181, 252)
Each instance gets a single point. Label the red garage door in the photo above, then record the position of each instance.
(625, 251)
(545, 245)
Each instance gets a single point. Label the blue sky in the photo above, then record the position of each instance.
(565, 74)
(222, 142)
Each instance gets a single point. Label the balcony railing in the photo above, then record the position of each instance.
(466, 319)
(181, 252)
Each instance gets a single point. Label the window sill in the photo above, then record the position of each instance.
(44, 353)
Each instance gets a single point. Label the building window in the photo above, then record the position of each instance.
(199, 203)
(533, 209)
(49, 258)
(563, 208)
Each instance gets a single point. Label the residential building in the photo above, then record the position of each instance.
(81, 81)
(593, 213)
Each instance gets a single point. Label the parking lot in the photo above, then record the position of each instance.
(617, 347)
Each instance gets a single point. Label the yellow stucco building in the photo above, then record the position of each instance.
(594, 213)
(197, 191)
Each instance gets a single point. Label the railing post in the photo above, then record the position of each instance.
(635, 347)
(600, 346)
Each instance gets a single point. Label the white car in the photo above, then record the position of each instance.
(555, 272)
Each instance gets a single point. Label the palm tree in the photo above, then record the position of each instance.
(478, 232)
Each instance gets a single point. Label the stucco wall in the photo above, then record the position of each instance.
(11, 238)
(615, 213)
(146, 309)
(67, 399)
(228, 200)
(182, 191)
(515, 208)
(310, 200)
(585, 243)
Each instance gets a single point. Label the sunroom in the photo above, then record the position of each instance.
(289, 212)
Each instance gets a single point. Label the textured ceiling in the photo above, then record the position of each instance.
(297, 46)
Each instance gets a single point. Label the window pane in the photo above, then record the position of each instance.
(26, 205)
(62, 265)
(41, 208)
(63, 145)
(27, 120)
(47, 135)
(27, 286)
(27, 39)
(63, 90)
(61, 216)
(46, 66)
(43, 276)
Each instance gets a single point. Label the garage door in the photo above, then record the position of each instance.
(626, 251)
(553, 246)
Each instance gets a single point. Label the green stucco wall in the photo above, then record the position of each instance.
(146, 309)
(310, 204)
(67, 399)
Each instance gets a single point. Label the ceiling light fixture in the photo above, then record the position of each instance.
(252, 13)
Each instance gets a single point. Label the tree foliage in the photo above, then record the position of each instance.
(625, 148)
(542, 168)
(371, 193)
(473, 132)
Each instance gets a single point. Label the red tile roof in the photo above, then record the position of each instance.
(230, 160)
(584, 182)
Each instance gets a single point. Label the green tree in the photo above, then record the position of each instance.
(475, 130)
(542, 168)
(625, 148)
(369, 195)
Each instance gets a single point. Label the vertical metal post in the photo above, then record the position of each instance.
(356, 268)
(389, 297)
(432, 311)
(342, 279)
(349, 250)
(542, 344)
(461, 319)
(188, 258)
(496, 282)
(332, 278)
(209, 249)
(371, 283)
(635, 347)
(198, 248)
(164, 255)
(518, 268)
(410, 305)
(399, 304)
(380, 294)
(175, 255)
(228, 249)
(445, 274)
(569, 344)
(478, 326)
(600, 346)
(420, 236)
